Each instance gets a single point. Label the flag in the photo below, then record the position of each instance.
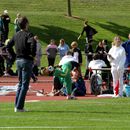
(90, 69)
(117, 88)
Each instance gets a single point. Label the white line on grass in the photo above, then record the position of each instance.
(65, 119)
(32, 101)
(50, 127)
(61, 127)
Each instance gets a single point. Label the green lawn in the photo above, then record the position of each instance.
(96, 114)
(48, 20)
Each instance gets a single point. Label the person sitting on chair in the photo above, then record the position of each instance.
(96, 77)
(96, 63)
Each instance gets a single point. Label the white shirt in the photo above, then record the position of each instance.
(76, 55)
(96, 64)
(66, 59)
(119, 55)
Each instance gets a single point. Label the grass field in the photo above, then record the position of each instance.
(97, 114)
(48, 17)
(48, 20)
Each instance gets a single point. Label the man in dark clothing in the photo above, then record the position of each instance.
(6, 21)
(2, 68)
(89, 32)
(1, 30)
(25, 47)
(89, 56)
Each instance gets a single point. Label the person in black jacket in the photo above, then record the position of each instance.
(90, 32)
(6, 21)
(25, 47)
(89, 56)
(76, 53)
(1, 30)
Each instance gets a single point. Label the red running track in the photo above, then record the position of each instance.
(44, 82)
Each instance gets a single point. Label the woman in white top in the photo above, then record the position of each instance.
(117, 57)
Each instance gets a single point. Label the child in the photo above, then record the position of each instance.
(78, 84)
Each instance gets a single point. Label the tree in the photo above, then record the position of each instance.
(69, 8)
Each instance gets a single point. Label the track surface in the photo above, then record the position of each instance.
(44, 82)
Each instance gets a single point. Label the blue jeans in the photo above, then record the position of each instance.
(24, 68)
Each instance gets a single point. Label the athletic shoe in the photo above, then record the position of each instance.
(35, 80)
(39, 93)
(50, 94)
(20, 110)
(6, 75)
(71, 98)
(117, 96)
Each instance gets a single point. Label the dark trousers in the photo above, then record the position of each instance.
(51, 61)
(35, 70)
(24, 68)
(2, 67)
(6, 35)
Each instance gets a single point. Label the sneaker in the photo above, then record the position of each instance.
(6, 74)
(117, 96)
(20, 110)
(35, 80)
(114, 96)
(39, 94)
(71, 98)
(50, 94)
(120, 96)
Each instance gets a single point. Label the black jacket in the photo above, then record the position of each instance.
(25, 45)
(77, 50)
(89, 31)
(6, 21)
